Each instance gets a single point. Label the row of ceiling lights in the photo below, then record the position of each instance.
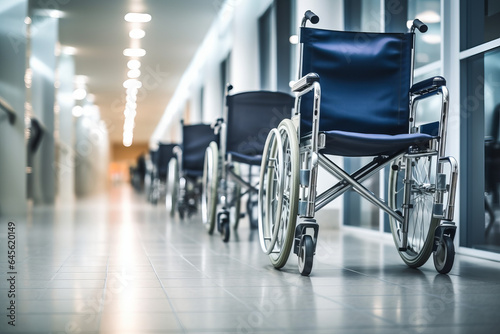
(132, 84)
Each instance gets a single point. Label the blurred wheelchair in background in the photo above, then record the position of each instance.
(185, 169)
(159, 167)
(363, 85)
(247, 119)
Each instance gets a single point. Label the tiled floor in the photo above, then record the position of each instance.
(116, 264)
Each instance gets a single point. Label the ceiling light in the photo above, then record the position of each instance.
(137, 17)
(127, 142)
(77, 111)
(134, 64)
(294, 39)
(79, 94)
(131, 105)
(132, 83)
(130, 113)
(68, 50)
(134, 74)
(55, 14)
(134, 52)
(137, 33)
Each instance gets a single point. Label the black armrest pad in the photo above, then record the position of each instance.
(305, 81)
(427, 85)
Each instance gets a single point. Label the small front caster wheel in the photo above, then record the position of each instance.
(223, 225)
(444, 255)
(225, 230)
(306, 253)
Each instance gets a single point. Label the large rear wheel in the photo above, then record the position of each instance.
(421, 224)
(210, 185)
(279, 193)
(172, 191)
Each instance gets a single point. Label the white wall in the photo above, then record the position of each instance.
(13, 91)
(65, 138)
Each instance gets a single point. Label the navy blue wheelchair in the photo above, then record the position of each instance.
(160, 159)
(247, 119)
(186, 168)
(363, 85)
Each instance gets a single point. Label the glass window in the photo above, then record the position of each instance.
(362, 15)
(357, 210)
(427, 45)
(481, 107)
(482, 22)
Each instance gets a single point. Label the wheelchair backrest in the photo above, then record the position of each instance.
(165, 153)
(364, 77)
(195, 139)
(251, 115)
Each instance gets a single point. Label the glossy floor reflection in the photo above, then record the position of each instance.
(116, 264)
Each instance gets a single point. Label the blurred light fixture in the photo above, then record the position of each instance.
(129, 52)
(134, 64)
(77, 111)
(68, 50)
(136, 33)
(429, 16)
(133, 74)
(79, 94)
(132, 83)
(137, 17)
(294, 39)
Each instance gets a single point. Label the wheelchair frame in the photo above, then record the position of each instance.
(229, 184)
(441, 232)
(183, 192)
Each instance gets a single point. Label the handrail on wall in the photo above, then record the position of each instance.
(9, 110)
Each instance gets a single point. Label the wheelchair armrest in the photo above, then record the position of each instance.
(427, 85)
(305, 82)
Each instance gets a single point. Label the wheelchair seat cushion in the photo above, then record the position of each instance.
(356, 144)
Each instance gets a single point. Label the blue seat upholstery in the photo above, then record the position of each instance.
(365, 84)
(195, 139)
(163, 156)
(251, 115)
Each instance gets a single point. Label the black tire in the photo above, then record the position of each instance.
(225, 230)
(306, 255)
(444, 256)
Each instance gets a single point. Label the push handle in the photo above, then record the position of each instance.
(309, 15)
(421, 26)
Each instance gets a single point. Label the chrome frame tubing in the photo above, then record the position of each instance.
(310, 163)
(222, 191)
(441, 149)
(356, 185)
(359, 176)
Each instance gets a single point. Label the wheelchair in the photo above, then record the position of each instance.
(149, 178)
(185, 169)
(362, 82)
(160, 160)
(247, 119)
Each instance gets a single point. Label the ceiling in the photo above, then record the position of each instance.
(98, 31)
